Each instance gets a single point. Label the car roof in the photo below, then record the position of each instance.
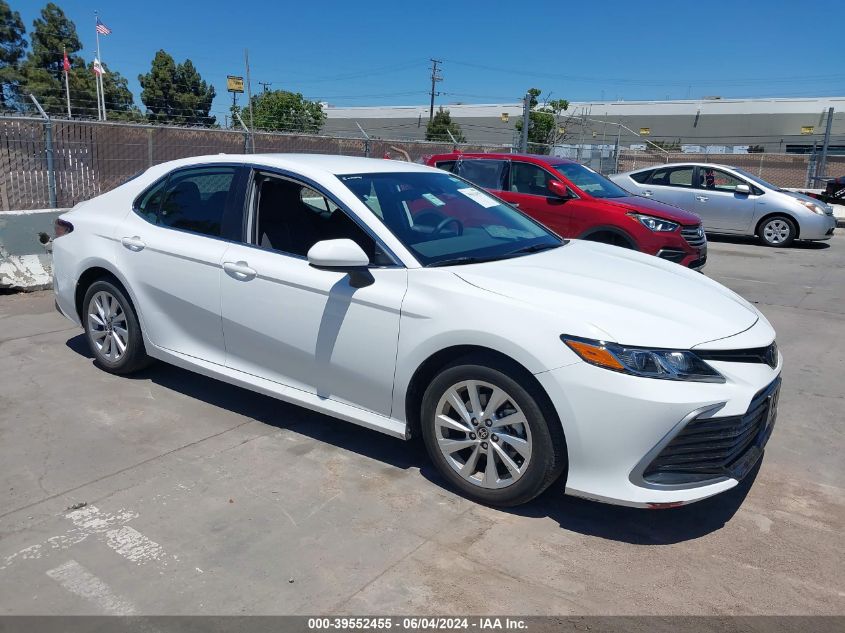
(534, 158)
(305, 163)
(688, 164)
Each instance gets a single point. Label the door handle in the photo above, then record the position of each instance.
(648, 193)
(702, 198)
(239, 270)
(133, 243)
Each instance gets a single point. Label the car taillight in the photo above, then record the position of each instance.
(62, 227)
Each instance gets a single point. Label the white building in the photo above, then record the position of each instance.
(722, 125)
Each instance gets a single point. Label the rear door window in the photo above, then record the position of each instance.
(672, 176)
(204, 200)
(642, 177)
(486, 173)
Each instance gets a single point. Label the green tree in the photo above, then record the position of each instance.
(440, 125)
(176, 93)
(12, 50)
(287, 112)
(43, 71)
(544, 129)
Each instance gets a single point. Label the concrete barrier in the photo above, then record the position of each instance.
(25, 261)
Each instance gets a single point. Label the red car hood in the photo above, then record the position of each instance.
(655, 208)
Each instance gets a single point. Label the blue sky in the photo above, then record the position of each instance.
(377, 52)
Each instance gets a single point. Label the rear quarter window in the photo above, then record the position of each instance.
(642, 176)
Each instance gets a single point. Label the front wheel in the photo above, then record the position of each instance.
(489, 436)
(777, 231)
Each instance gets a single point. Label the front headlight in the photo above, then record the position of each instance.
(812, 206)
(652, 223)
(666, 364)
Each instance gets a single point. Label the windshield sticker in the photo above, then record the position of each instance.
(437, 202)
(479, 196)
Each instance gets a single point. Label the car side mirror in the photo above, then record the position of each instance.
(343, 255)
(559, 189)
(743, 189)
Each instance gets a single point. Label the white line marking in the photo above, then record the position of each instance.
(81, 582)
(134, 546)
(89, 521)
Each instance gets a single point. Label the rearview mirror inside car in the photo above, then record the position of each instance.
(743, 189)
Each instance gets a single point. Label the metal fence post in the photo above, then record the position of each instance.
(249, 139)
(51, 172)
(821, 166)
(366, 140)
(149, 147)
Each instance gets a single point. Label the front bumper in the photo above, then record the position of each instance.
(816, 227)
(617, 426)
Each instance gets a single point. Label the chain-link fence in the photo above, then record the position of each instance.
(61, 162)
(82, 159)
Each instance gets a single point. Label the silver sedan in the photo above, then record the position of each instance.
(733, 201)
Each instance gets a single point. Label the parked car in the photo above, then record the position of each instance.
(732, 201)
(409, 301)
(575, 201)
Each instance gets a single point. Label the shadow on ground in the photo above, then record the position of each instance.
(752, 241)
(629, 525)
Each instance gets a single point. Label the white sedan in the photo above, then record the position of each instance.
(404, 299)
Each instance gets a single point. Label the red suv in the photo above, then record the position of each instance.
(575, 201)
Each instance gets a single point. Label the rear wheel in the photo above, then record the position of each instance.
(112, 329)
(778, 230)
(489, 436)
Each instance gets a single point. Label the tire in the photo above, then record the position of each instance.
(777, 231)
(536, 446)
(110, 324)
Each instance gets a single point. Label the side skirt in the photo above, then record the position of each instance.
(339, 410)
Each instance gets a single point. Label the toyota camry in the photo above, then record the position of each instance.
(404, 299)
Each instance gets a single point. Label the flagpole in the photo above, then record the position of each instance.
(101, 114)
(67, 83)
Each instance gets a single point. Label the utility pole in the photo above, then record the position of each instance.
(821, 166)
(249, 95)
(434, 79)
(526, 122)
(264, 85)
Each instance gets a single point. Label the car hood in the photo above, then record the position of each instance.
(801, 196)
(610, 293)
(653, 207)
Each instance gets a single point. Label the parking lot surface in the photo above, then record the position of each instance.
(206, 498)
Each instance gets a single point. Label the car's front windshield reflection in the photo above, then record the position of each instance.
(444, 220)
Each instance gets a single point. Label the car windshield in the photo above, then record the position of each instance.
(756, 179)
(591, 182)
(445, 220)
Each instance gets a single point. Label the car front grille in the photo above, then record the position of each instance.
(710, 448)
(694, 235)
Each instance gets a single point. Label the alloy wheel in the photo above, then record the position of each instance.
(483, 434)
(107, 326)
(776, 231)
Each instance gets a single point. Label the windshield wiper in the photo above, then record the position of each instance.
(534, 248)
(460, 261)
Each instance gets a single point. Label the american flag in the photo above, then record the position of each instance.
(102, 29)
